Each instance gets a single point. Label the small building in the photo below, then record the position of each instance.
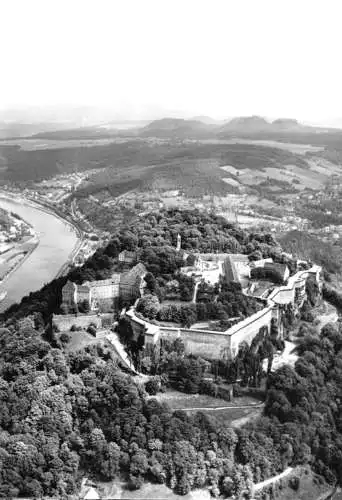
(87, 491)
(132, 283)
(280, 269)
(237, 268)
(127, 257)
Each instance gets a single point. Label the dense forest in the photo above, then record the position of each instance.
(309, 247)
(64, 415)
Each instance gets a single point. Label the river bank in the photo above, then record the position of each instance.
(41, 205)
(25, 255)
(59, 241)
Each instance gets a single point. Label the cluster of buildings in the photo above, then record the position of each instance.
(58, 188)
(13, 230)
(126, 287)
(104, 295)
(235, 268)
(210, 267)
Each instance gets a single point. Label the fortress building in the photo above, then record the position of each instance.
(127, 257)
(213, 344)
(210, 266)
(104, 294)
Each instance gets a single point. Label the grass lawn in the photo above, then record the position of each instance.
(311, 487)
(79, 340)
(236, 415)
(117, 489)
(177, 400)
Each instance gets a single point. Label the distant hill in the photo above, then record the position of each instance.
(177, 128)
(208, 120)
(286, 123)
(77, 134)
(246, 124)
(10, 130)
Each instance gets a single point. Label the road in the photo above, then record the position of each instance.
(215, 408)
(263, 484)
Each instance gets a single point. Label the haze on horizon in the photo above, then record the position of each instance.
(137, 59)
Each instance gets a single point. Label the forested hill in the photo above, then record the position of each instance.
(67, 415)
(154, 236)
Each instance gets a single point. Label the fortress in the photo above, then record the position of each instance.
(103, 295)
(217, 344)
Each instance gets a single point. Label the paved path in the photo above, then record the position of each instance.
(197, 284)
(214, 408)
(263, 484)
(120, 350)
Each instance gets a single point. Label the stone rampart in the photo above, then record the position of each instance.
(207, 344)
(214, 344)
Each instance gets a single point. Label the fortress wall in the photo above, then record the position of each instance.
(169, 333)
(283, 295)
(206, 344)
(138, 329)
(213, 344)
(248, 331)
(65, 322)
(286, 294)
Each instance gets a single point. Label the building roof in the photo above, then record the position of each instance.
(212, 256)
(113, 280)
(127, 254)
(280, 268)
(89, 493)
(70, 284)
(230, 265)
(137, 271)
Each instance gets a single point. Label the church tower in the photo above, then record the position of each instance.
(179, 242)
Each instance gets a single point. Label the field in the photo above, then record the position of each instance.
(239, 411)
(311, 487)
(80, 340)
(117, 490)
(300, 149)
(43, 144)
(170, 164)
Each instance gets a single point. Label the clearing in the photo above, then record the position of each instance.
(81, 339)
(116, 490)
(311, 486)
(233, 413)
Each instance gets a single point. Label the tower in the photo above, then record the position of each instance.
(179, 242)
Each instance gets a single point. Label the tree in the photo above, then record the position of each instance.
(152, 386)
(64, 338)
(84, 306)
(149, 306)
(111, 465)
(150, 282)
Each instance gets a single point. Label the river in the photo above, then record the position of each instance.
(57, 239)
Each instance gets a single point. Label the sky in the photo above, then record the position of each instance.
(150, 58)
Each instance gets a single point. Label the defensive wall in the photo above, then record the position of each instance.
(285, 294)
(65, 321)
(206, 343)
(215, 344)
